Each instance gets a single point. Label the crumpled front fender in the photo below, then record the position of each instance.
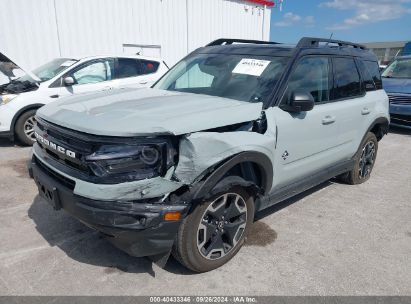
(203, 150)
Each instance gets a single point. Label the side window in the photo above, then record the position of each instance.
(367, 79)
(148, 67)
(374, 70)
(94, 72)
(129, 67)
(372, 76)
(194, 78)
(312, 76)
(346, 79)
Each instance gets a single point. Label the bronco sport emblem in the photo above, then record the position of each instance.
(54, 146)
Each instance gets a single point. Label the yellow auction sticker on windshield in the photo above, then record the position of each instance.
(253, 67)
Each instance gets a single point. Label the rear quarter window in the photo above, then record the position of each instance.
(130, 67)
(347, 83)
(149, 66)
(371, 75)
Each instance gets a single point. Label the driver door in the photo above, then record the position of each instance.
(95, 75)
(307, 142)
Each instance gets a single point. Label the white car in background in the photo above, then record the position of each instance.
(22, 93)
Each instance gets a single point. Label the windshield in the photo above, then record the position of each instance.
(241, 77)
(400, 68)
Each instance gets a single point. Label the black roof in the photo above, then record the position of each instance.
(305, 46)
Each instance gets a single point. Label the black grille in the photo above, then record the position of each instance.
(400, 98)
(70, 184)
(68, 142)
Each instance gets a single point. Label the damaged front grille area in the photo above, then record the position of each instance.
(63, 148)
(106, 160)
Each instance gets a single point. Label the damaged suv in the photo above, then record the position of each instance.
(233, 128)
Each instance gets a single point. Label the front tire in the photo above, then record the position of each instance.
(214, 231)
(24, 128)
(364, 161)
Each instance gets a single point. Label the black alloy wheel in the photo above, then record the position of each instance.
(364, 161)
(222, 226)
(215, 229)
(367, 160)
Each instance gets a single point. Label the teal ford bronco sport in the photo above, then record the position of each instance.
(233, 128)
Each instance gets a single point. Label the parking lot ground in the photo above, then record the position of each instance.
(333, 240)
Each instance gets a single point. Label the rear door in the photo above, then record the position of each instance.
(354, 106)
(307, 141)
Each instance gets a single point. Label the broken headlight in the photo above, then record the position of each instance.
(123, 163)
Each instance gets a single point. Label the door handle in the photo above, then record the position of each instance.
(365, 111)
(54, 96)
(143, 81)
(107, 88)
(328, 120)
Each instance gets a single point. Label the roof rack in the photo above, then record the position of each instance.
(315, 42)
(222, 41)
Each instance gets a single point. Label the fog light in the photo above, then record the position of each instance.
(172, 216)
(128, 219)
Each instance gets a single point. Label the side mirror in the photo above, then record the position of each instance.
(68, 81)
(301, 101)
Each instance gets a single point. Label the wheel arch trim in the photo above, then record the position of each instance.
(379, 121)
(21, 111)
(263, 162)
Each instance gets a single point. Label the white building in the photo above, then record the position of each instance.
(35, 31)
(386, 51)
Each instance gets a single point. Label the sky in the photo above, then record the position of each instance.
(353, 20)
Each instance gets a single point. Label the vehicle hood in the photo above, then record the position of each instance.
(136, 112)
(397, 85)
(7, 66)
(10, 71)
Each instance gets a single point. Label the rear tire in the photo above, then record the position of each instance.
(364, 161)
(24, 128)
(214, 231)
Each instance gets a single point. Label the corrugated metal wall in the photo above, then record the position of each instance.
(211, 19)
(35, 31)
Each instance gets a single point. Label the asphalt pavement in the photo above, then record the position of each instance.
(335, 239)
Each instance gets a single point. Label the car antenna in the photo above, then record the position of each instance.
(331, 37)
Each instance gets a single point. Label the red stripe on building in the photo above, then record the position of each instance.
(262, 2)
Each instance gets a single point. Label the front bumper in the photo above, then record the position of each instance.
(135, 190)
(7, 114)
(401, 115)
(136, 227)
(6, 134)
